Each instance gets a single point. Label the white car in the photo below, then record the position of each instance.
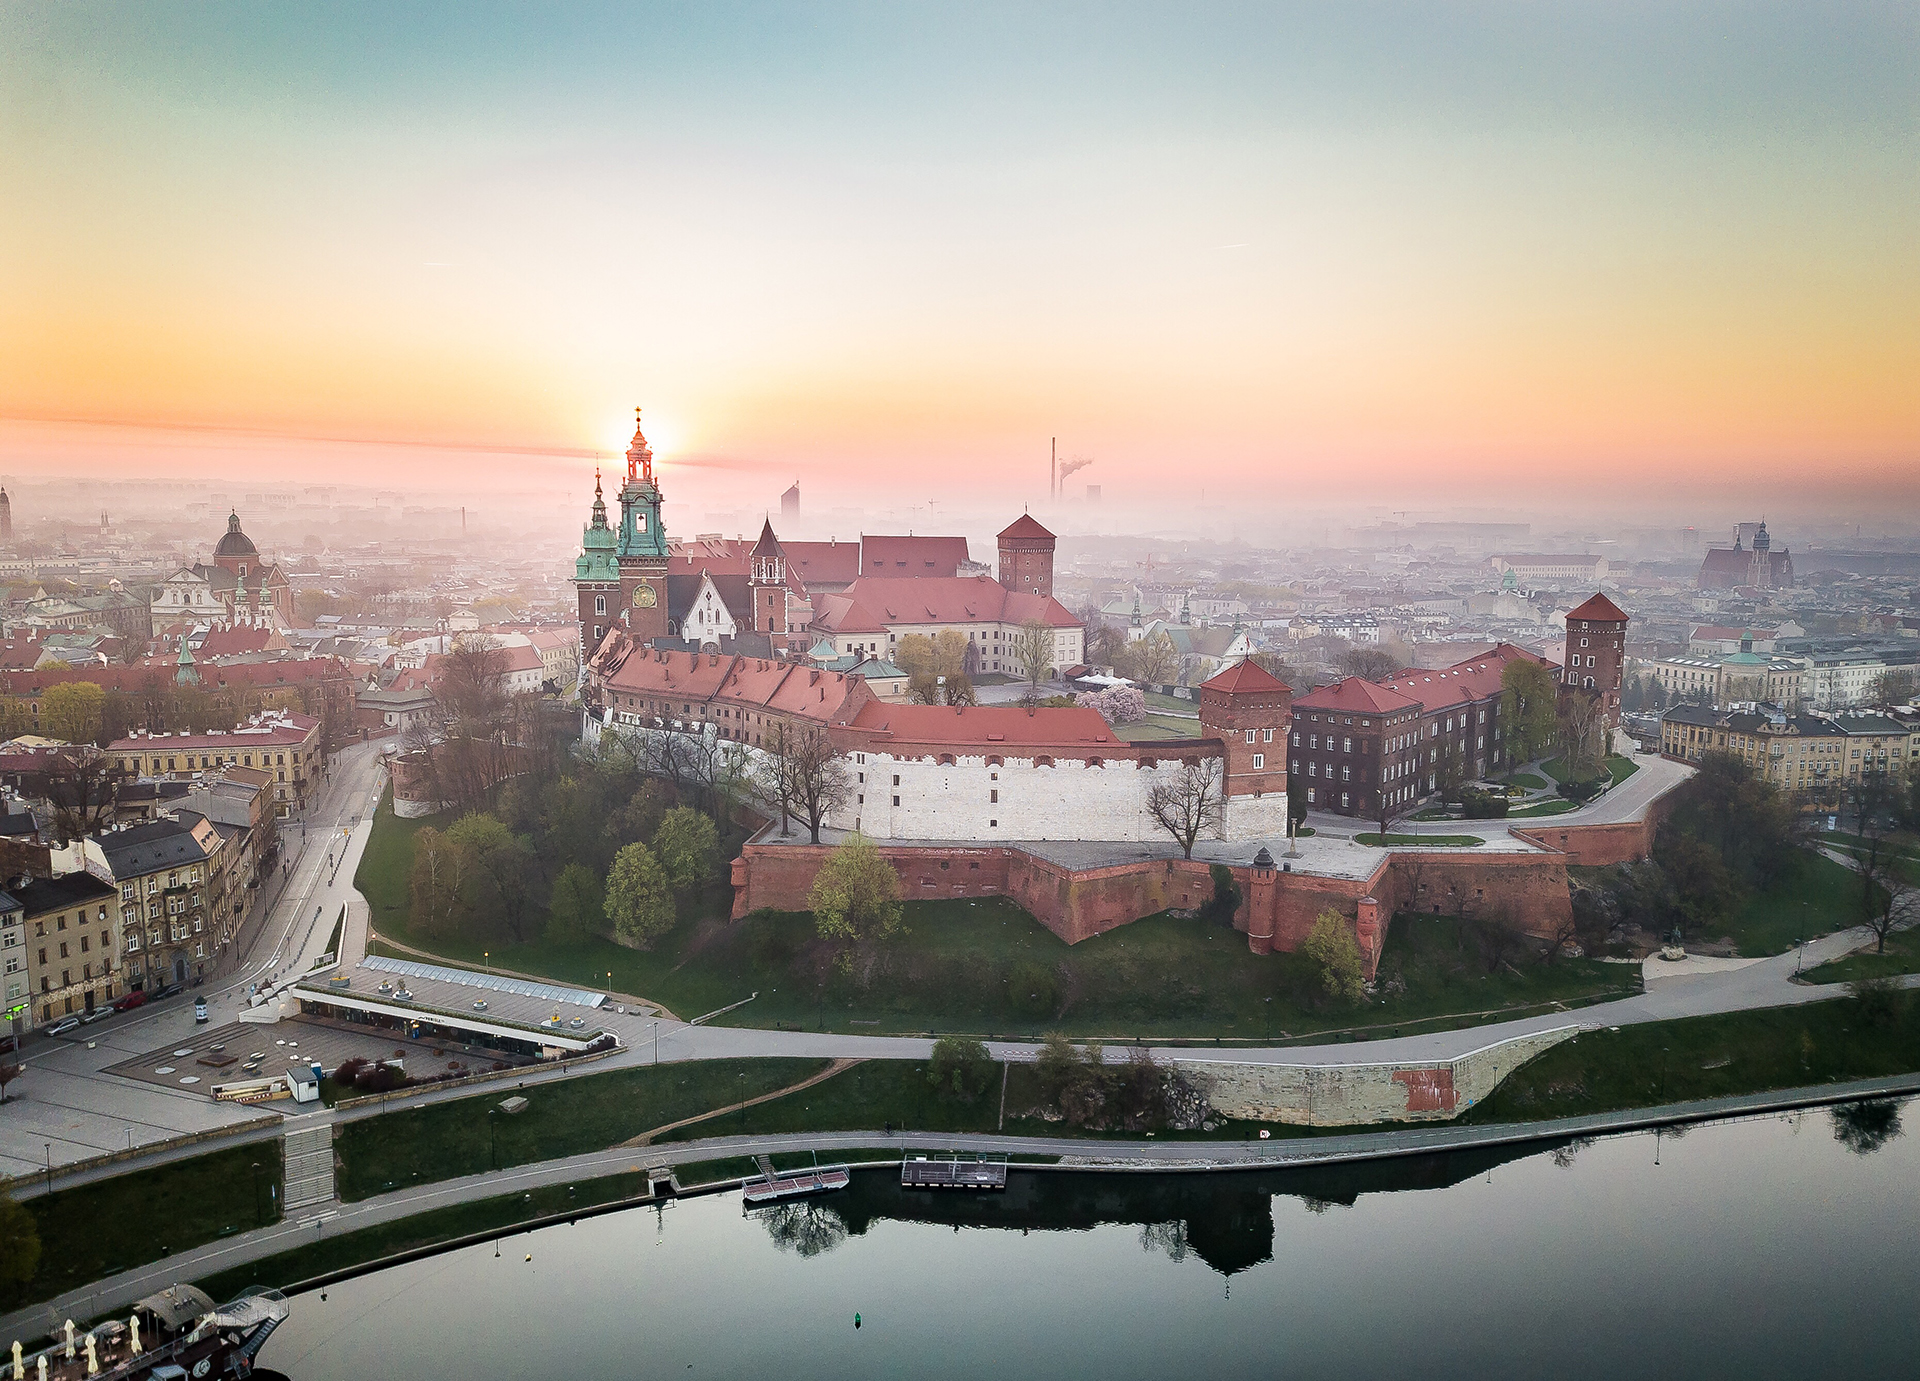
(60, 1028)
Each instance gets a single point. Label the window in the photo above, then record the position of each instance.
(1296, 740)
(1346, 745)
(1309, 795)
(1250, 734)
(1266, 736)
(896, 800)
(1259, 761)
(896, 782)
(993, 797)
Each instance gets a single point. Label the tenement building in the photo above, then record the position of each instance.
(68, 934)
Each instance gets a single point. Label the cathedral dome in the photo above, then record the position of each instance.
(236, 542)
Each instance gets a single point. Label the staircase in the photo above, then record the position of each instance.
(309, 1161)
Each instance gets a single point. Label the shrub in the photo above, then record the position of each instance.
(960, 1068)
(1032, 988)
(1483, 805)
(639, 898)
(856, 894)
(1331, 945)
(1580, 790)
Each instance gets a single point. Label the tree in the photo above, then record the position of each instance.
(1116, 704)
(1893, 687)
(1582, 717)
(1105, 645)
(1281, 669)
(639, 900)
(773, 773)
(687, 846)
(1331, 944)
(19, 1246)
(1033, 654)
(434, 885)
(1888, 899)
(645, 809)
(1189, 804)
(1866, 1126)
(960, 1068)
(71, 711)
(1368, 663)
(578, 908)
(1153, 659)
(856, 894)
(496, 863)
(1528, 708)
(817, 773)
(82, 788)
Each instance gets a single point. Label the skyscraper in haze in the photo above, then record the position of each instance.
(790, 503)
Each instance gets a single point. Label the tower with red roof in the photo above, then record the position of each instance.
(1026, 557)
(1249, 710)
(1597, 653)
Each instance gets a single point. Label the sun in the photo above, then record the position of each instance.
(663, 433)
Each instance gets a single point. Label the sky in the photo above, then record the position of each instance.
(1283, 253)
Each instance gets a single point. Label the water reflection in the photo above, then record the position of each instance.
(1226, 1219)
(1865, 1127)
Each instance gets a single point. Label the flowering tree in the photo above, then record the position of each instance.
(1117, 704)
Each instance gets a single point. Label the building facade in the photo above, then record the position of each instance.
(1814, 757)
(67, 930)
(1597, 654)
(1760, 567)
(175, 902)
(282, 744)
(1026, 557)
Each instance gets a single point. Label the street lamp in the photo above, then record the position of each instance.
(656, 1041)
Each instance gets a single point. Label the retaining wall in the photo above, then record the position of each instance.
(1363, 1094)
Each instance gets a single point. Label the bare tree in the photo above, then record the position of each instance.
(818, 771)
(1888, 900)
(772, 774)
(1387, 810)
(1188, 805)
(1153, 659)
(1368, 663)
(1033, 653)
(82, 789)
(1581, 719)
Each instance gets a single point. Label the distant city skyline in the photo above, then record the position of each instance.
(1285, 253)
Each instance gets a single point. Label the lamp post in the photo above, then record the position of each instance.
(656, 1041)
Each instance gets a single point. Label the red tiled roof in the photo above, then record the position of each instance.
(923, 558)
(1245, 677)
(627, 668)
(234, 642)
(1355, 695)
(1025, 527)
(987, 728)
(1475, 679)
(1599, 609)
(827, 563)
(871, 606)
(294, 729)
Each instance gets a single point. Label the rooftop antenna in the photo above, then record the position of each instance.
(1053, 469)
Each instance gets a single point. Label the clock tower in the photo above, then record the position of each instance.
(642, 545)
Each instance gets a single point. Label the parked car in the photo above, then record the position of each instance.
(169, 991)
(89, 1017)
(199, 1011)
(136, 998)
(60, 1028)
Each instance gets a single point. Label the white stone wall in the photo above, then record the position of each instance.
(1069, 800)
(996, 654)
(1361, 1094)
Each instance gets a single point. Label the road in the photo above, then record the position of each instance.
(65, 1109)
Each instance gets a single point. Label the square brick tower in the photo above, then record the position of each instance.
(1026, 557)
(767, 579)
(642, 547)
(1249, 709)
(1597, 653)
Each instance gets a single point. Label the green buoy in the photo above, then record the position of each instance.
(856, 1320)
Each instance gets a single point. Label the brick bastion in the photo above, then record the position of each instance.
(1527, 884)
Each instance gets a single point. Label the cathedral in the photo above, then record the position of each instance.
(239, 590)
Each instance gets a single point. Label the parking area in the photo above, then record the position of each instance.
(243, 1050)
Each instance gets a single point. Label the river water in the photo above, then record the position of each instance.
(1784, 1246)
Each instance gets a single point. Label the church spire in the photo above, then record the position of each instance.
(599, 501)
(639, 455)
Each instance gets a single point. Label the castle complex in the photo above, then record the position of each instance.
(730, 641)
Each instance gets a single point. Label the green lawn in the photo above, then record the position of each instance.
(1814, 897)
(1157, 701)
(503, 1213)
(1529, 781)
(444, 1140)
(1618, 767)
(1420, 841)
(857, 1099)
(95, 1230)
(1708, 1057)
(1533, 812)
(1902, 956)
(1152, 729)
(980, 966)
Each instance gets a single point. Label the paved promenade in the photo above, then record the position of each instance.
(115, 1293)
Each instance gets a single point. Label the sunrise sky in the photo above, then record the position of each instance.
(1269, 248)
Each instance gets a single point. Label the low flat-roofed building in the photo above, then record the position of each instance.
(476, 1009)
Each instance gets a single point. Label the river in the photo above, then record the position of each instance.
(1781, 1246)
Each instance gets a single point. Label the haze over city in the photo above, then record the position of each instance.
(653, 655)
(1297, 256)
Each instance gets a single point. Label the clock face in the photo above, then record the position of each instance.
(644, 598)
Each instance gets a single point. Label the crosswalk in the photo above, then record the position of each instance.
(309, 1162)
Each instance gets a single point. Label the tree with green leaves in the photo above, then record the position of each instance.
(497, 865)
(856, 894)
(71, 711)
(1529, 708)
(639, 898)
(960, 1068)
(577, 910)
(1332, 945)
(687, 846)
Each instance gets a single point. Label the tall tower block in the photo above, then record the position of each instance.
(642, 544)
(1026, 557)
